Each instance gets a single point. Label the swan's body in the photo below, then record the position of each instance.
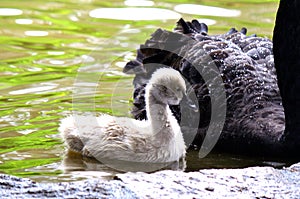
(255, 120)
(156, 140)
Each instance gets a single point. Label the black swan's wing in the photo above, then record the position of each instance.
(254, 113)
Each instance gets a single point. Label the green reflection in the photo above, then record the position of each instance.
(35, 93)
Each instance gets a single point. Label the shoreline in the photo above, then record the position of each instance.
(251, 182)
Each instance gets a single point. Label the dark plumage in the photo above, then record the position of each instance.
(255, 119)
(287, 61)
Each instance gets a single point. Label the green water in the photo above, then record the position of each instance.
(55, 58)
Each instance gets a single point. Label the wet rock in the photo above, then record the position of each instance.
(252, 182)
(13, 187)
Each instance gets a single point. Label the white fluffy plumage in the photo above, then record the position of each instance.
(156, 140)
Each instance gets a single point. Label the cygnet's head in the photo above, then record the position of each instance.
(168, 86)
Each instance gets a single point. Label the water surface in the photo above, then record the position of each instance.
(64, 56)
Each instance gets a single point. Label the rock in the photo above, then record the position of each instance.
(14, 187)
(252, 182)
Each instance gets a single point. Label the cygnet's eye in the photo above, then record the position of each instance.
(178, 89)
(161, 88)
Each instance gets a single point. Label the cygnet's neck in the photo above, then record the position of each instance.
(158, 116)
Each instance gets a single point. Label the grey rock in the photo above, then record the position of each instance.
(14, 187)
(252, 182)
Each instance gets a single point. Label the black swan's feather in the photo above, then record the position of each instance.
(255, 119)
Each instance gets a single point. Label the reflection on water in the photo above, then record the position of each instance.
(138, 3)
(36, 33)
(206, 10)
(160, 14)
(134, 13)
(35, 89)
(75, 162)
(10, 12)
(45, 45)
(24, 21)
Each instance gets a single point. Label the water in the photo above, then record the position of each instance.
(64, 56)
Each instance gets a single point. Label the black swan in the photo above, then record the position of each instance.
(255, 119)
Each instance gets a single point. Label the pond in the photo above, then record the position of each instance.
(59, 57)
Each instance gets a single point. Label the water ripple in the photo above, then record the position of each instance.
(196, 9)
(36, 33)
(134, 13)
(10, 12)
(31, 90)
(138, 3)
(64, 62)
